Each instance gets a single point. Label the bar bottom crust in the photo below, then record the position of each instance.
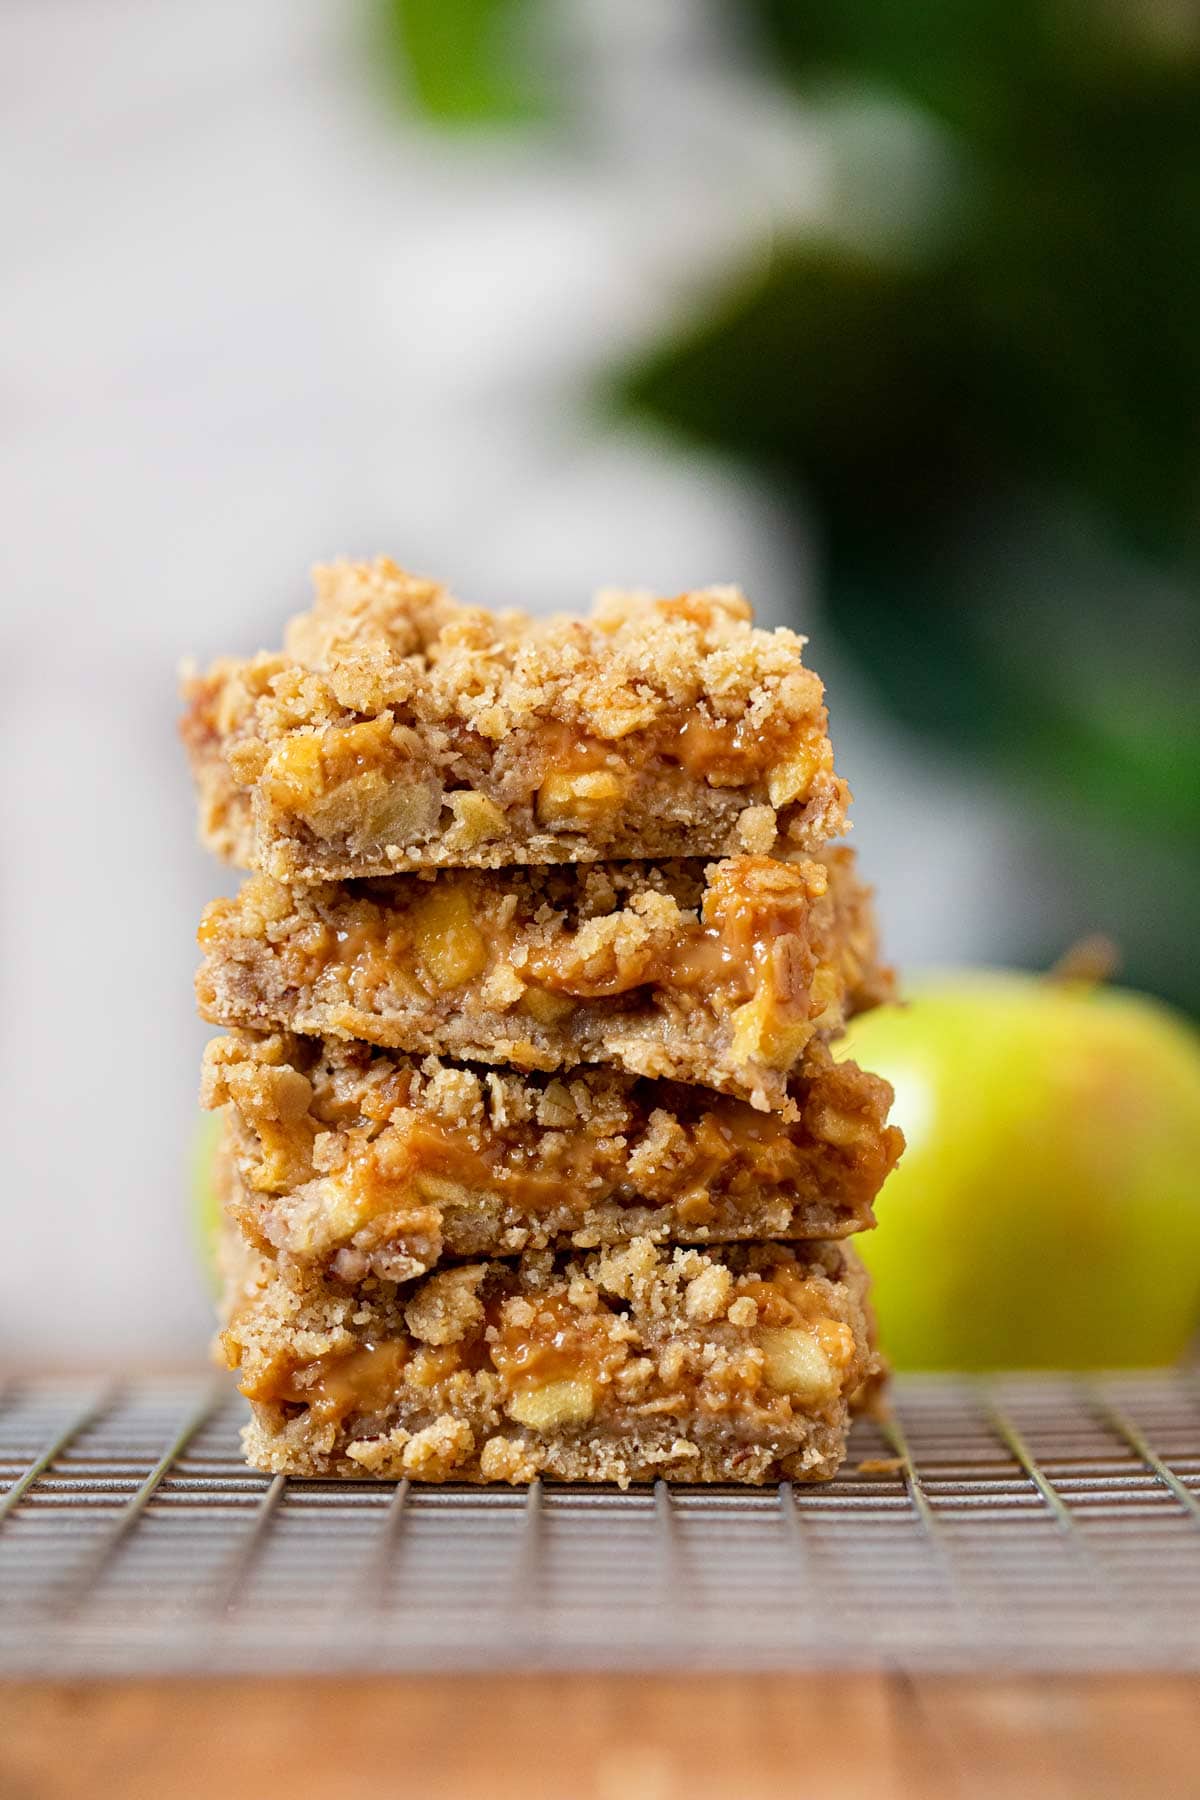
(739, 1365)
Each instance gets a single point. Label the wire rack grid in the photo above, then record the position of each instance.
(1026, 1523)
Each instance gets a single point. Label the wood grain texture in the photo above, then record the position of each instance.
(595, 1737)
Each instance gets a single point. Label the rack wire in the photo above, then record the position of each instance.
(1026, 1523)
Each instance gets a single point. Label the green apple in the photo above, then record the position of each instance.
(206, 1207)
(1046, 1212)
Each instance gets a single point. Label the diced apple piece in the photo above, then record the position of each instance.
(795, 1363)
(558, 1403)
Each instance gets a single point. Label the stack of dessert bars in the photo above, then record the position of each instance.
(535, 1159)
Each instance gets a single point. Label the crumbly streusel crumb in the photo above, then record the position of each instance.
(446, 1306)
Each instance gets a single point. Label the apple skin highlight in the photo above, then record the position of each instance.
(1046, 1213)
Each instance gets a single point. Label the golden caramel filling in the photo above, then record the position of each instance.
(786, 1299)
(748, 919)
(543, 1342)
(734, 752)
(337, 1387)
(563, 751)
(432, 1168)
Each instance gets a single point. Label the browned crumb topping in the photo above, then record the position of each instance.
(398, 727)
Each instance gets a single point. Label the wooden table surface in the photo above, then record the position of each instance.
(595, 1737)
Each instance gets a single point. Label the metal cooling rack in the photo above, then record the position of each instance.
(1031, 1523)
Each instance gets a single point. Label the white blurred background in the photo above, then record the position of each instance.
(253, 318)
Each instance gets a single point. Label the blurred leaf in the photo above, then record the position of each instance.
(205, 1210)
(847, 369)
(927, 440)
(1126, 763)
(947, 405)
(994, 70)
(931, 52)
(1075, 124)
(460, 59)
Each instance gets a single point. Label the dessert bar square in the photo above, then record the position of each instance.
(398, 729)
(732, 1365)
(721, 974)
(349, 1161)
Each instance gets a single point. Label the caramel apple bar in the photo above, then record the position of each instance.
(721, 974)
(399, 729)
(738, 1365)
(354, 1162)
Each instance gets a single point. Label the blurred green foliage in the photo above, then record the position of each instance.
(995, 412)
(982, 382)
(460, 60)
